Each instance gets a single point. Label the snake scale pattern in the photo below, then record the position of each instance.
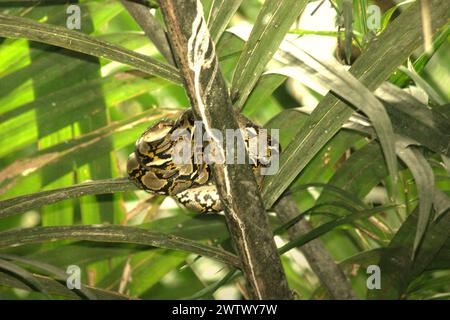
(152, 167)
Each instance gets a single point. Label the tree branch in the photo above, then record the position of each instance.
(244, 209)
(150, 26)
(323, 265)
(18, 28)
(35, 200)
(116, 234)
(57, 288)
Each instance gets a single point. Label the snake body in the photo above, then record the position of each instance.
(152, 167)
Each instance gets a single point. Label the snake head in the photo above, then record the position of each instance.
(155, 134)
(153, 139)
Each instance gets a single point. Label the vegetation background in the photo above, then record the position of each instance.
(365, 167)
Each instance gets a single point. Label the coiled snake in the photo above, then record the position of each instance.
(152, 167)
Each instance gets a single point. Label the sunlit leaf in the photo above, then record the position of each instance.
(423, 174)
(15, 27)
(273, 22)
(331, 114)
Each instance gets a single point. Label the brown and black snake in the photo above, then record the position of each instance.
(152, 167)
